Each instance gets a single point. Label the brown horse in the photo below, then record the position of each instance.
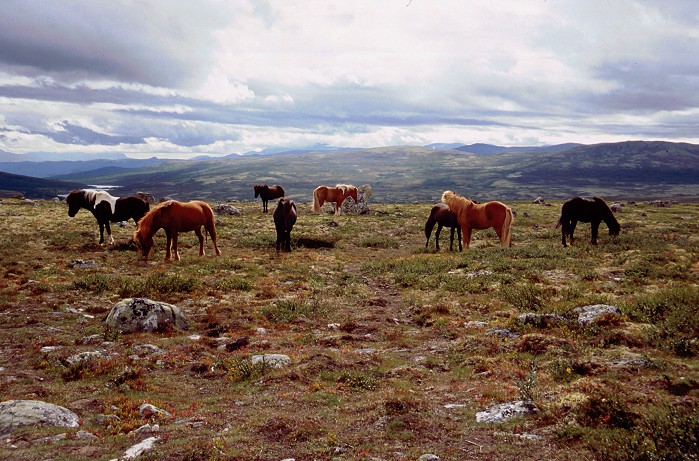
(442, 216)
(284, 219)
(473, 215)
(175, 217)
(266, 193)
(336, 194)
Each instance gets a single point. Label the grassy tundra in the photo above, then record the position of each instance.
(383, 363)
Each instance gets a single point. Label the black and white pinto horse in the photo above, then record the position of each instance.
(284, 219)
(594, 211)
(106, 208)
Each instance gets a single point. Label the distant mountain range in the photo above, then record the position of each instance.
(626, 170)
(13, 185)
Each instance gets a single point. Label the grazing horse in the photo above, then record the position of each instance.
(265, 192)
(442, 215)
(106, 208)
(175, 217)
(336, 194)
(594, 211)
(473, 215)
(284, 219)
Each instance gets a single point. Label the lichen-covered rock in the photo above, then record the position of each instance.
(141, 314)
(271, 360)
(225, 209)
(588, 314)
(506, 411)
(20, 413)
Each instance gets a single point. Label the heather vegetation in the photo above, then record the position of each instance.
(394, 348)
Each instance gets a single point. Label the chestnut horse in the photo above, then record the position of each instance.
(594, 211)
(336, 194)
(284, 219)
(265, 192)
(106, 208)
(478, 216)
(442, 216)
(175, 217)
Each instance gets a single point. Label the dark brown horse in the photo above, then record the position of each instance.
(594, 211)
(266, 193)
(284, 219)
(472, 215)
(106, 208)
(176, 217)
(337, 195)
(442, 216)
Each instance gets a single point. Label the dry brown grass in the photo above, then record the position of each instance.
(376, 383)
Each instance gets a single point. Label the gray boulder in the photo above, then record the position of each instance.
(20, 413)
(588, 314)
(271, 360)
(141, 314)
(225, 209)
(506, 411)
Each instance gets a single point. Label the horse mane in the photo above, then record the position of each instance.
(146, 222)
(455, 202)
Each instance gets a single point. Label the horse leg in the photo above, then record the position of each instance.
(436, 235)
(211, 229)
(564, 232)
(571, 229)
(467, 238)
(109, 232)
(201, 241)
(168, 243)
(287, 239)
(595, 230)
(101, 224)
(175, 252)
(264, 205)
(451, 240)
(458, 234)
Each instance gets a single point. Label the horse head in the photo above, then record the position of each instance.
(260, 188)
(75, 201)
(608, 217)
(144, 242)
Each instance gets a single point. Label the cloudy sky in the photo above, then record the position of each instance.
(185, 77)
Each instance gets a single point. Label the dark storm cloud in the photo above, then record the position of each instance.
(137, 42)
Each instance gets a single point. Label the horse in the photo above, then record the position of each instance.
(594, 211)
(336, 194)
(284, 219)
(175, 217)
(471, 215)
(442, 215)
(106, 208)
(265, 192)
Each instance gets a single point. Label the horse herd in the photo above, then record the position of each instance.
(455, 212)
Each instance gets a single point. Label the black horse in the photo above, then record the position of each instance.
(266, 193)
(443, 217)
(594, 211)
(284, 219)
(106, 208)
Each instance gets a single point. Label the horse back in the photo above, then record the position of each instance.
(581, 209)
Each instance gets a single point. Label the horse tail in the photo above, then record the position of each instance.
(506, 239)
(429, 225)
(316, 200)
(558, 223)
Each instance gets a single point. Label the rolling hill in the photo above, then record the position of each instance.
(627, 170)
(12, 185)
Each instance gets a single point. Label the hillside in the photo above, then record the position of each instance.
(12, 185)
(631, 170)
